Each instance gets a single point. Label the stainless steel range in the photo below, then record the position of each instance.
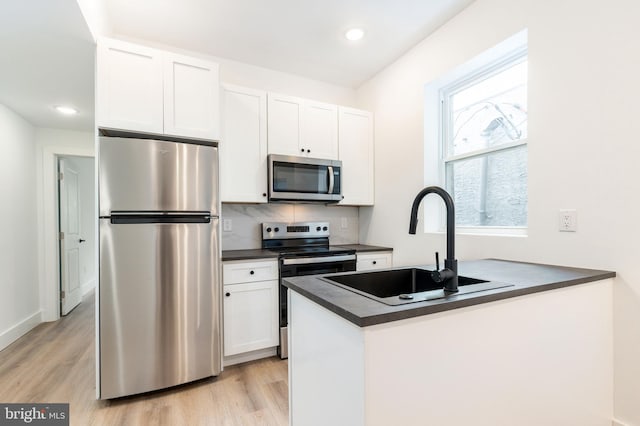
(304, 250)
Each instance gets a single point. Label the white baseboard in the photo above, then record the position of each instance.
(615, 422)
(249, 356)
(88, 286)
(20, 329)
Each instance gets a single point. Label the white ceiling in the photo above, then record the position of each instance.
(46, 59)
(303, 37)
(47, 51)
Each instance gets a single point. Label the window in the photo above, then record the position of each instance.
(483, 138)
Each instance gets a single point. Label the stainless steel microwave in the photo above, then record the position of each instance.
(304, 179)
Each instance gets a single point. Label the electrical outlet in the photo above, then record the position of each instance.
(344, 223)
(568, 221)
(227, 225)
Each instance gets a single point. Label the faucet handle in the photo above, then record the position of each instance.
(437, 261)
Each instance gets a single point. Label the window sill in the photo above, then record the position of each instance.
(487, 231)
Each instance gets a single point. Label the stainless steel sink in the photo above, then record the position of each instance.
(407, 285)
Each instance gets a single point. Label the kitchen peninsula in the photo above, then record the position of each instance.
(535, 353)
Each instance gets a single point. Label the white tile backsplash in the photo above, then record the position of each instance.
(246, 220)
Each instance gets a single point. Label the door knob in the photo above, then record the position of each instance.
(81, 240)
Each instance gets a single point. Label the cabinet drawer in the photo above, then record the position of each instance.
(368, 262)
(246, 272)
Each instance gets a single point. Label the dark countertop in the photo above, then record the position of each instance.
(527, 278)
(249, 254)
(363, 248)
(253, 254)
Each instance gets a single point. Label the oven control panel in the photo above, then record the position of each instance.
(281, 230)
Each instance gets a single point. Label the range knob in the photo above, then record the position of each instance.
(318, 229)
(268, 229)
(324, 228)
(277, 229)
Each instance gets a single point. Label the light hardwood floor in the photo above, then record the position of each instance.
(55, 362)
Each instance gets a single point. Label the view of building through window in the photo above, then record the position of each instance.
(484, 130)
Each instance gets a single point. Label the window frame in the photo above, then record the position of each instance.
(445, 93)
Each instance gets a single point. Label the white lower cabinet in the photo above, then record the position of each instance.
(250, 306)
(373, 261)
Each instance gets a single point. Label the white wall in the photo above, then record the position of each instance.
(584, 68)
(95, 14)
(289, 84)
(49, 144)
(85, 166)
(19, 304)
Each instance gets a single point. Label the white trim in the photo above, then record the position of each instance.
(434, 165)
(88, 286)
(485, 151)
(249, 356)
(48, 237)
(485, 231)
(13, 333)
(615, 422)
(494, 231)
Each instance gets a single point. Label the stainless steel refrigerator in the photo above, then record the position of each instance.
(159, 310)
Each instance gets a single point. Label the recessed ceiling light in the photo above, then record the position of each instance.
(354, 34)
(66, 110)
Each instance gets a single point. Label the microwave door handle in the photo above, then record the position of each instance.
(330, 170)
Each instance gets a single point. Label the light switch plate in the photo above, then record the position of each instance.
(227, 225)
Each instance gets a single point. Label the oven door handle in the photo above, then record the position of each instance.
(324, 259)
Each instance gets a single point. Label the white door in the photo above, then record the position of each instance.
(71, 292)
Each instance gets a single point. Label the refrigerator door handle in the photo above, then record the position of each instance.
(137, 219)
(159, 213)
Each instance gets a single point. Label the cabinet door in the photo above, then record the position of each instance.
(250, 316)
(373, 261)
(191, 97)
(243, 148)
(285, 118)
(129, 87)
(355, 136)
(320, 130)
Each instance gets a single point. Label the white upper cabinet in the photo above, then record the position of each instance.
(129, 87)
(243, 148)
(320, 130)
(355, 134)
(191, 93)
(302, 127)
(153, 91)
(285, 121)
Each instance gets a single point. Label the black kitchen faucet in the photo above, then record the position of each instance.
(448, 275)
